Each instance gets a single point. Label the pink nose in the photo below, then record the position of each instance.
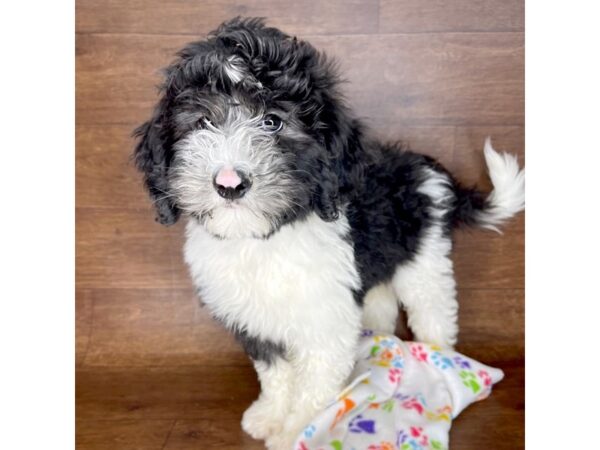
(227, 177)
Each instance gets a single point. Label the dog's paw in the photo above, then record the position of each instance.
(260, 420)
(282, 441)
(442, 337)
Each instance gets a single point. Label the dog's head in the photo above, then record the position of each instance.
(250, 133)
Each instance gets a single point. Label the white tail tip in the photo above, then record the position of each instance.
(508, 195)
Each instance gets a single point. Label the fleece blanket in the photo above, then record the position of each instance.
(403, 395)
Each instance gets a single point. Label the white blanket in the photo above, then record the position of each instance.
(404, 395)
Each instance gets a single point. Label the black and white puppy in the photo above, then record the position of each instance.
(300, 228)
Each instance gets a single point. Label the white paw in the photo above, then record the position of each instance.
(445, 339)
(260, 420)
(281, 441)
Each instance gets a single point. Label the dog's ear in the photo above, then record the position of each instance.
(153, 155)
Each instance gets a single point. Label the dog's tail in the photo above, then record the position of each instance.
(506, 199)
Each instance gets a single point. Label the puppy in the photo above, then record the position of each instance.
(300, 228)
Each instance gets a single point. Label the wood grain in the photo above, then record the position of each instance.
(407, 16)
(198, 18)
(157, 327)
(122, 435)
(177, 392)
(126, 248)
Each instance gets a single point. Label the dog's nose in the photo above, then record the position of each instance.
(231, 183)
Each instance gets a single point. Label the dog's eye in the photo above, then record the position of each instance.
(271, 123)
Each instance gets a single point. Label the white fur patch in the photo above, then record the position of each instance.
(293, 288)
(233, 70)
(508, 196)
(276, 288)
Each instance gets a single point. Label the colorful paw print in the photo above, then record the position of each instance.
(382, 446)
(418, 351)
(414, 439)
(413, 403)
(441, 361)
(398, 362)
(470, 380)
(395, 375)
(387, 343)
(485, 377)
(419, 435)
(309, 431)
(358, 425)
(462, 363)
(437, 445)
(388, 406)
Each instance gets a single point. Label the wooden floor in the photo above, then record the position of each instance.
(153, 371)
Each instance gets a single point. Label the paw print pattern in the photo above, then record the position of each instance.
(358, 425)
(470, 380)
(388, 406)
(419, 435)
(461, 363)
(485, 377)
(441, 361)
(382, 446)
(413, 403)
(395, 375)
(418, 352)
(413, 439)
(387, 343)
(309, 431)
(437, 445)
(398, 362)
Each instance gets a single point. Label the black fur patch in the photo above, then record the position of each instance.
(259, 349)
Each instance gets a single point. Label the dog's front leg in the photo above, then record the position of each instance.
(266, 416)
(321, 372)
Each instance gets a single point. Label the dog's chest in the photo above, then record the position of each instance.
(271, 287)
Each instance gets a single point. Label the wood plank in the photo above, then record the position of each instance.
(126, 248)
(122, 435)
(492, 324)
(408, 16)
(157, 327)
(83, 324)
(105, 173)
(421, 79)
(433, 79)
(488, 260)
(193, 392)
(224, 433)
(198, 18)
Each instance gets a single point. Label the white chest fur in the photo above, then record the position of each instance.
(293, 286)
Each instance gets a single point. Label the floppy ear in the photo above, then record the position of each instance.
(153, 155)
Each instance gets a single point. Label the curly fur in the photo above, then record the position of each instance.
(335, 228)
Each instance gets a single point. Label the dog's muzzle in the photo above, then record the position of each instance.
(231, 183)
